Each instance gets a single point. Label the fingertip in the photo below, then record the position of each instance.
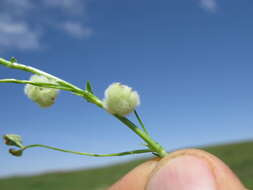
(189, 168)
(193, 169)
(183, 173)
(137, 178)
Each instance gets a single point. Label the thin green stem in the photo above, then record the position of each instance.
(88, 154)
(40, 84)
(140, 121)
(63, 85)
(37, 72)
(153, 145)
(88, 96)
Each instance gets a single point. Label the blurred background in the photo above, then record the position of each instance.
(190, 61)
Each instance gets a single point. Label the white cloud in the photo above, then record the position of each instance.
(17, 35)
(209, 5)
(19, 20)
(76, 29)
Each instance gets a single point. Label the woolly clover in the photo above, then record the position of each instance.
(120, 100)
(44, 97)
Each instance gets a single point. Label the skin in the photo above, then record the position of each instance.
(167, 173)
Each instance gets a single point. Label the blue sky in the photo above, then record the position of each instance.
(190, 61)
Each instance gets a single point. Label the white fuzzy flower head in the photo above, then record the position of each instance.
(45, 97)
(120, 99)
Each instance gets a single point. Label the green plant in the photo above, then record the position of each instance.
(120, 100)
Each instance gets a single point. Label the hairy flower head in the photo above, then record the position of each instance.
(120, 99)
(45, 97)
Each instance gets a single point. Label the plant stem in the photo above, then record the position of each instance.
(88, 154)
(37, 72)
(40, 84)
(153, 145)
(90, 97)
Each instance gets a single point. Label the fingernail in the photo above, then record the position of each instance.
(183, 173)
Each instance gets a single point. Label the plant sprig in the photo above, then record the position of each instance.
(112, 104)
(16, 140)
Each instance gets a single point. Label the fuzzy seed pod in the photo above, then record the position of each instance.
(45, 97)
(120, 99)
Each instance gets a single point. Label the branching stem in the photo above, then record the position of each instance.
(153, 146)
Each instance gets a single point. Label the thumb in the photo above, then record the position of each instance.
(192, 170)
(188, 169)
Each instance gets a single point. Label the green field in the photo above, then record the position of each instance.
(238, 156)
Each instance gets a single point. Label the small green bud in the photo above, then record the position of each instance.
(45, 97)
(13, 60)
(15, 152)
(120, 99)
(13, 140)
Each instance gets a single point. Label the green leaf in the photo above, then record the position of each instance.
(13, 140)
(88, 87)
(141, 123)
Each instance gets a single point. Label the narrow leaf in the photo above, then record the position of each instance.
(89, 87)
(140, 122)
